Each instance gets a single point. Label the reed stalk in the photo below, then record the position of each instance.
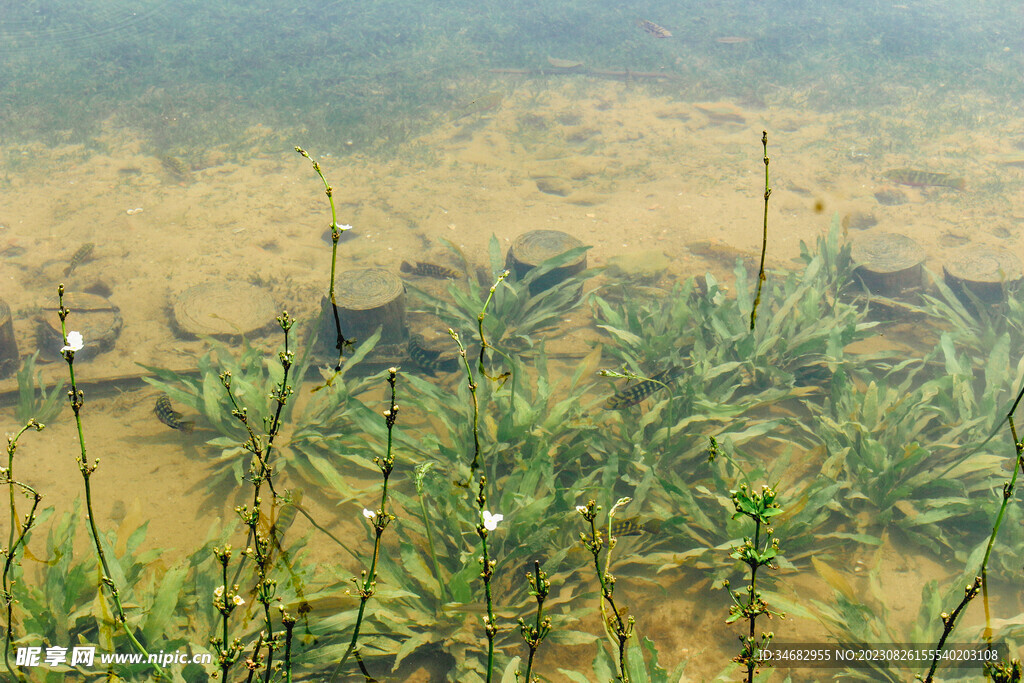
(76, 398)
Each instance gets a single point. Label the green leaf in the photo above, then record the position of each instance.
(157, 621)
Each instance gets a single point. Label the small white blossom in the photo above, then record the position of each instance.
(343, 228)
(238, 600)
(369, 514)
(75, 342)
(582, 509)
(491, 521)
(218, 591)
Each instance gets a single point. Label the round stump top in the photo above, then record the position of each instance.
(981, 264)
(886, 252)
(534, 247)
(94, 316)
(367, 288)
(223, 309)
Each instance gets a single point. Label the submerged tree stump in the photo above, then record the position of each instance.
(94, 316)
(223, 309)
(8, 344)
(531, 249)
(367, 299)
(985, 273)
(888, 264)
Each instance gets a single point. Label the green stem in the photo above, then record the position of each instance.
(442, 590)
(381, 518)
(336, 231)
(489, 628)
(15, 543)
(76, 399)
(981, 579)
(764, 238)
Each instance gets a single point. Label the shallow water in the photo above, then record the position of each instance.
(164, 135)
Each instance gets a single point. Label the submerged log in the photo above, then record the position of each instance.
(94, 316)
(533, 248)
(985, 273)
(223, 309)
(367, 298)
(888, 264)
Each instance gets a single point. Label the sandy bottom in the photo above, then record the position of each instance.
(678, 184)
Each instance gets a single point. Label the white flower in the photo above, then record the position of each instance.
(218, 591)
(582, 509)
(238, 600)
(343, 228)
(75, 342)
(491, 521)
(369, 514)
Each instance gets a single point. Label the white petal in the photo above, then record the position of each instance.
(75, 342)
(369, 514)
(491, 521)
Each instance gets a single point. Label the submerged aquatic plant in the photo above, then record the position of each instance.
(62, 606)
(516, 319)
(330, 423)
(34, 400)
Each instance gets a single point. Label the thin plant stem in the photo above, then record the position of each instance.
(533, 635)
(980, 583)
(379, 519)
(616, 629)
(225, 600)
(760, 508)
(15, 542)
(475, 463)
(77, 398)
(421, 472)
(261, 470)
(288, 621)
(764, 237)
(486, 572)
(336, 231)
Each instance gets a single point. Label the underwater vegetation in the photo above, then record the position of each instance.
(523, 508)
